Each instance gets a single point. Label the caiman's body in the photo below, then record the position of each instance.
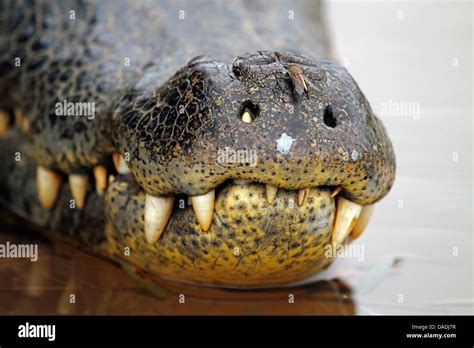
(169, 95)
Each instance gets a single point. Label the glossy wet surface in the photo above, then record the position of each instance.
(100, 287)
(416, 256)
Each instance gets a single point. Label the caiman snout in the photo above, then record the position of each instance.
(237, 171)
(267, 126)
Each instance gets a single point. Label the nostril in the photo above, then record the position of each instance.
(329, 119)
(237, 70)
(249, 111)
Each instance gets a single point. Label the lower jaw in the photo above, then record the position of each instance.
(250, 243)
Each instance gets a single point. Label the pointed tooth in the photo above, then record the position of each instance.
(4, 122)
(302, 194)
(363, 221)
(271, 192)
(336, 191)
(21, 121)
(18, 118)
(78, 186)
(111, 178)
(203, 206)
(157, 214)
(100, 175)
(347, 214)
(247, 117)
(48, 184)
(119, 163)
(25, 125)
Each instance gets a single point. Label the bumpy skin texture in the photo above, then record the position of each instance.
(170, 80)
(174, 134)
(250, 242)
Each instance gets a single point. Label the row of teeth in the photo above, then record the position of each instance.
(48, 182)
(158, 209)
(351, 218)
(20, 120)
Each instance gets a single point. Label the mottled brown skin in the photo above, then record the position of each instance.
(171, 111)
(176, 152)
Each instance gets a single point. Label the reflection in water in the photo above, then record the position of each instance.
(65, 280)
(374, 276)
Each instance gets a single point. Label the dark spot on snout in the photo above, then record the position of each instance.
(329, 119)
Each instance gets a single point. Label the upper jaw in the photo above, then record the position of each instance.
(332, 139)
(362, 181)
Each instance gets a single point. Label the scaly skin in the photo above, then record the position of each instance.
(172, 111)
(173, 152)
(250, 242)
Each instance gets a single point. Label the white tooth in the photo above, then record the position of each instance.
(336, 191)
(21, 121)
(100, 175)
(47, 184)
(111, 178)
(78, 187)
(346, 216)
(25, 125)
(302, 194)
(4, 122)
(246, 117)
(157, 214)
(363, 221)
(18, 118)
(119, 163)
(203, 207)
(271, 192)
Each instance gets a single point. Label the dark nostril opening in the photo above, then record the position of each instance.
(329, 119)
(237, 70)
